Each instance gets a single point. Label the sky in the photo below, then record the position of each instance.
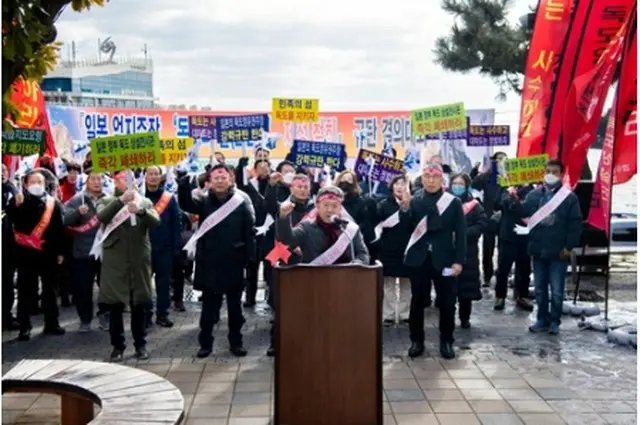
(238, 54)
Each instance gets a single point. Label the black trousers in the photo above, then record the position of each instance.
(85, 273)
(116, 326)
(210, 316)
(31, 266)
(8, 284)
(177, 278)
(268, 275)
(509, 253)
(446, 294)
(488, 247)
(464, 309)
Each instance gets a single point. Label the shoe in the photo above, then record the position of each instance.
(271, 351)
(387, 323)
(405, 321)
(103, 321)
(416, 349)
(538, 327)
(65, 302)
(427, 303)
(446, 350)
(200, 299)
(465, 324)
(164, 322)
(116, 356)
(188, 280)
(24, 336)
(554, 329)
(58, 330)
(249, 304)
(486, 284)
(11, 324)
(238, 351)
(499, 305)
(204, 352)
(84, 328)
(524, 304)
(142, 353)
(179, 306)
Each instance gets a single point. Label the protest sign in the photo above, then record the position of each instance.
(489, 135)
(202, 127)
(318, 154)
(174, 151)
(23, 142)
(462, 134)
(295, 110)
(438, 119)
(525, 170)
(241, 130)
(384, 170)
(116, 153)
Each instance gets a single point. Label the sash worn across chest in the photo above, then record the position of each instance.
(335, 251)
(83, 228)
(34, 240)
(162, 203)
(213, 220)
(105, 231)
(467, 207)
(387, 223)
(545, 211)
(421, 229)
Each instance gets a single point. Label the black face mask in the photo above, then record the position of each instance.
(345, 186)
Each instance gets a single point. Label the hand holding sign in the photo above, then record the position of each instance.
(133, 208)
(83, 209)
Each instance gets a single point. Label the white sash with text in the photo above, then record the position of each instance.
(335, 251)
(421, 229)
(545, 211)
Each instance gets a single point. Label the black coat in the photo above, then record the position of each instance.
(390, 248)
(360, 209)
(224, 251)
(469, 281)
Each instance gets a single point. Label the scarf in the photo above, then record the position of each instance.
(332, 233)
(68, 190)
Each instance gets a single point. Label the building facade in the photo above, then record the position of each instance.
(117, 83)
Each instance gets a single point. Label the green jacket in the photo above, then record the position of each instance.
(126, 254)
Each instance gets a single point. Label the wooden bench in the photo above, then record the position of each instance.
(127, 396)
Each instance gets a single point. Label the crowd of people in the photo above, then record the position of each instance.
(219, 227)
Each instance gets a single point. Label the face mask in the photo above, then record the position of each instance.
(551, 179)
(36, 190)
(345, 186)
(458, 189)
(288, 178)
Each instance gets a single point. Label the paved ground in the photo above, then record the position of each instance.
(503, 374)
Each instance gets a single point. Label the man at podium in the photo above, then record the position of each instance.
(327, 239)
(436, 251)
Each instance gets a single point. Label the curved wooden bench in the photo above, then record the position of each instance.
(126, 395)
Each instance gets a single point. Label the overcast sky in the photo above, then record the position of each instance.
(238, 54)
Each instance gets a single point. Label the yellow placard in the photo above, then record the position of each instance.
(438, 119)
(526, 170)
(295, 110)
(174, 151)
(115, 153)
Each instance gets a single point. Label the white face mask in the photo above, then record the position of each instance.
(36, 190)
(551, 179)
(288, 178)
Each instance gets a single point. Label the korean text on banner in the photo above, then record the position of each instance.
(438, 119)
(450, 135)
(116, 153)
(547, 45)
(175, 150)
(23, 142)
(295, 110)
(202, 127)
(384, 169)
(318, 154)
(522, 171)
(238, 130)
(489, 135)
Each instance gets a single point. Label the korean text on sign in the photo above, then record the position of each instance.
(202, 127)
(116, 153)
(489, 135)
(175, 150)
(241, 130)
(384, 169)
(524, 170)
(295, 110)
(318, 154)
(462, 134)
(438, 119)
(23, 142)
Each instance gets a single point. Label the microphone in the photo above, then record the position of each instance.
(338, 221)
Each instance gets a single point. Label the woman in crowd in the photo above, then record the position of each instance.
(390, 251)
(477, 221)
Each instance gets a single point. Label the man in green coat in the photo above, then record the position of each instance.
(123, 242)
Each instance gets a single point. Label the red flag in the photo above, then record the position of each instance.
(279, 252)
(625, 155)
(600, 208)
(584, 107)
(547, 47)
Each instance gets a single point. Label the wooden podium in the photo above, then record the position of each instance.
(328, 365)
